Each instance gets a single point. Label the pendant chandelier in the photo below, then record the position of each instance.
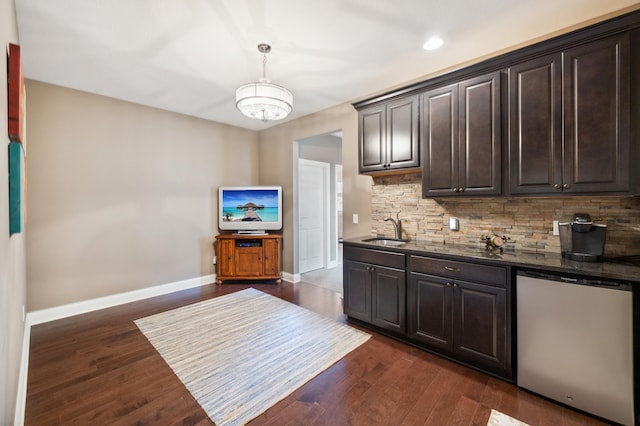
(264, 100)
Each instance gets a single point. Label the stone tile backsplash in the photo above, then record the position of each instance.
(528, 222)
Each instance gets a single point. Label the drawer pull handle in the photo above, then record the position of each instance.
(449, 268)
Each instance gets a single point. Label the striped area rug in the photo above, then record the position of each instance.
(241, 353)
(500, 419)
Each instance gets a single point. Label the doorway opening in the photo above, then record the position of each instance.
(318, 210)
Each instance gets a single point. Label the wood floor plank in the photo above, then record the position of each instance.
(463, 412)
(98, 368)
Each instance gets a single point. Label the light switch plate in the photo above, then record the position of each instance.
(454, 224)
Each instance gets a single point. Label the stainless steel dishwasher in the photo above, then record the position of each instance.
(575, 342)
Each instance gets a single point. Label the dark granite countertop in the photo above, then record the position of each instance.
(520, 259)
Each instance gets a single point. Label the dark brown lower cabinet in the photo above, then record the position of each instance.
(458, 309)
(464, 320)
(375, 294)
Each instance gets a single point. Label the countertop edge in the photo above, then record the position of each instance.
(549, 262)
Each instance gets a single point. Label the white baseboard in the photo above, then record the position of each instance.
(292, 278)
(21, 394)
(64, 311)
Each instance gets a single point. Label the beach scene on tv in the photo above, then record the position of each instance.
(250, 206)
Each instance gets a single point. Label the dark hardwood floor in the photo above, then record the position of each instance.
(98, 369)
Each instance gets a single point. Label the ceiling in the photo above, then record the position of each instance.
(189, 56)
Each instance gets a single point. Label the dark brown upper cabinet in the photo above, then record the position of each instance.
(461, 138)
(569, 120)
(388, 134)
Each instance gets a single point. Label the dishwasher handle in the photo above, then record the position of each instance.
(615, 285)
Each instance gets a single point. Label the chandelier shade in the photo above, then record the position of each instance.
(264, 100)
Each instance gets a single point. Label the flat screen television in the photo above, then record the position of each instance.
(250, 209)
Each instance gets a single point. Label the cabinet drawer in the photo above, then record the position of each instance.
(493, 275)
(376, 257)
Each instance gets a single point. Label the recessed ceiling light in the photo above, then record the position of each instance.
(433, 43)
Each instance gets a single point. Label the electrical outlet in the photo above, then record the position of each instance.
(355, 218)
(215, 260)
(454, 224)
(556, 228)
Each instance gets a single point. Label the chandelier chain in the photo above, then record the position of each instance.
(264, 66)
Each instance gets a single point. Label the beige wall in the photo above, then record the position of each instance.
(122, 196)
(12, 249)
(277, 161)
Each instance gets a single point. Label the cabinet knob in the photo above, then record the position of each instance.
(449, 268)
(565, 186)
(460, 189)
(556, 186)
(455, 189)
(449, 284)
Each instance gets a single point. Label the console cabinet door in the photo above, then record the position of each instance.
(388, 296)
(225, 261)
(249, 262)
(480, 324)
(429, 311)
(357, 289)
(271, 248)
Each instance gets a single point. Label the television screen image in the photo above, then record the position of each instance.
(250, 209)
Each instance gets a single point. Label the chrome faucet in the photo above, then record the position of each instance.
(397, 225)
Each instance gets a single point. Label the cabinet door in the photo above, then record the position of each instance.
(388, 296)
(461, 138)
(440, 141)
(480, 153)
(535, 123)
(429, 316)
(480, 324)
(271, 256)
(248, 261)
(372, 131)
(357, 290)
(402, 134)
(226, 264)
(389, 136)
(596, 116)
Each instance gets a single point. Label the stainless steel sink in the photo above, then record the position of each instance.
(381, 241)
